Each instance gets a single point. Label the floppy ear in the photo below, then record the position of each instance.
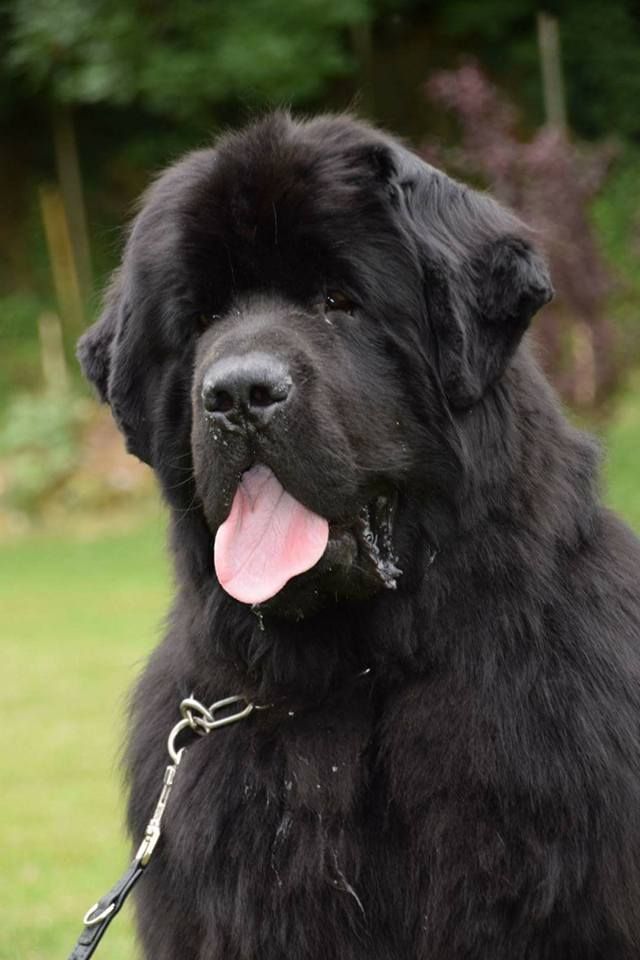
(108, 361)
(483, 281)
(94, 346)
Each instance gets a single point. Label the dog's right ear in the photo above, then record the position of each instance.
(95, 346)
(112, 357)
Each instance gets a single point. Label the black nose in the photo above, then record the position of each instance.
(246, 389)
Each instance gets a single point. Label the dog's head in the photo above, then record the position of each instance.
(300, 315)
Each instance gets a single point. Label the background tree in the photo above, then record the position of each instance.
(601, 53)
(120, 87)
(550, 183)
(175, 60)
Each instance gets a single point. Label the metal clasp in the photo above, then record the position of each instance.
(152, 833)
(90, 921)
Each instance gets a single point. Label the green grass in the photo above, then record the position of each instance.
(77, 619)
(622, 464)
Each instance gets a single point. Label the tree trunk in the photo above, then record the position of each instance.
(551, 67)
(70, 179)
(61, 258)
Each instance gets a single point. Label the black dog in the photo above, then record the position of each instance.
(315, 340)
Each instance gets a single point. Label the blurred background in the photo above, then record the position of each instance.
(540, 105)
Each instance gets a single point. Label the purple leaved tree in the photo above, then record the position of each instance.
(549, 182)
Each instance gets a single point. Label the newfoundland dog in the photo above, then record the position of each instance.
(388, 537)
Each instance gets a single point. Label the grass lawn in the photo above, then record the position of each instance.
(622, 464)
(77, 619)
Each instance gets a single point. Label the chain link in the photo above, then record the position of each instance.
(202, 720)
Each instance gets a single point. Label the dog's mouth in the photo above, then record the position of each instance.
(272, 547)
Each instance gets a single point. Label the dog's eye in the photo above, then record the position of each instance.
(337, 300)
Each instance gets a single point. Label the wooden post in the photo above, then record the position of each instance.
(70, 180)
(551, 67)
(62, 260)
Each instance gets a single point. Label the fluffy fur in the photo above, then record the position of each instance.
(476, 796)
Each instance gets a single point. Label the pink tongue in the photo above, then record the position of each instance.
(267, 539)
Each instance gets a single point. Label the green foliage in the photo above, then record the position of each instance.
(19, 316)
(183, 59)
(179, 59)
(281, 51)
(601, 54)
(616, 216)
(76, 51)
(39, 445)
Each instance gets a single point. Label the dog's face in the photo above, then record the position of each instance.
(300, 316)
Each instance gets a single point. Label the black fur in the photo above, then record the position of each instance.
(477, 795)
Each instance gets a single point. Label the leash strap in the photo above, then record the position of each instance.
(200, 720)
(102, 913)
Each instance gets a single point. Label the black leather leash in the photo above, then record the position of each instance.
(201, 720)
(100, 916)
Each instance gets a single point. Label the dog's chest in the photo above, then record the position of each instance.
(282, 816)
(279, 778)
